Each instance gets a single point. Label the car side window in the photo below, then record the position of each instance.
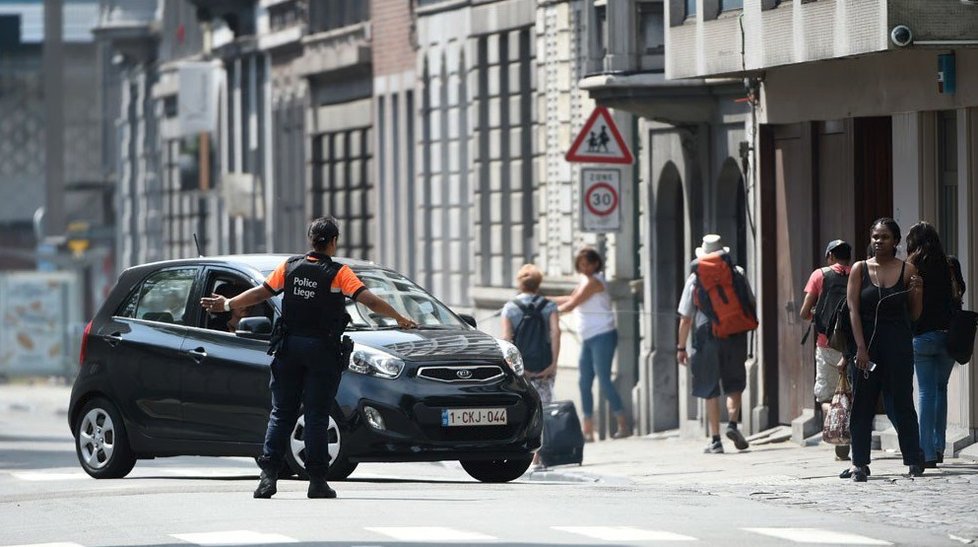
(162, 297)
(229, 285)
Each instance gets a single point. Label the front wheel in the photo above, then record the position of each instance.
(339, 467)
(101, 442)
(497, 470)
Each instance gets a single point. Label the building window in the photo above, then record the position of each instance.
(690, 8)
(651, 31)
(947, 179)
(727, 5)
(342, 188)
(601, 29)
(332, 14)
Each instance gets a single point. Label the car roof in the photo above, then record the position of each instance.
(260, 262)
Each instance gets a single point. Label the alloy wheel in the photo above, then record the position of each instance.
(97, 438)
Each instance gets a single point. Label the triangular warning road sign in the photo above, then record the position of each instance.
(599, 141)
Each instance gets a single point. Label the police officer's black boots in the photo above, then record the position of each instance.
(319, 489)
(267, 485)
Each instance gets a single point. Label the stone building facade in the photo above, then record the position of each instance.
(433, 130)
(850, 125)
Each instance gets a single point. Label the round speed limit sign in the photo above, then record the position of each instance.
(602, 199)
(600, 203)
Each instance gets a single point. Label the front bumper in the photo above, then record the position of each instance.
(412, 418)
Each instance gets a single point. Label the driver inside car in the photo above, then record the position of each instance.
(228, 321)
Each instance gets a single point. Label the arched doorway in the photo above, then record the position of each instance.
(731, 211)
(670, 267)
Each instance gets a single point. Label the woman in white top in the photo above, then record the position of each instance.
(599, 338)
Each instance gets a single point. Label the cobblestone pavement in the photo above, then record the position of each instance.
(943, 500)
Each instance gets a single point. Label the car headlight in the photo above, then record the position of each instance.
(512, 356)
(373, 362)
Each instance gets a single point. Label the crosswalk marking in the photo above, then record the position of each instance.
(35, 476)
(816, 535)
(429, 534)
(234, 537)
(623, 533)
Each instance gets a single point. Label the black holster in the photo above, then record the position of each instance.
(346, 352)
(276, 342)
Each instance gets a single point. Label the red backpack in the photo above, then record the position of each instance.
(722, 294)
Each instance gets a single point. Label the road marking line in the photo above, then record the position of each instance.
(63, 544)
(816, 535)
(35, 476)
(429, 534)
(234, 537)
(623, 533)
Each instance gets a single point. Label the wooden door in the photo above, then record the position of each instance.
(873, 166)
(795, 229)
(835, 188)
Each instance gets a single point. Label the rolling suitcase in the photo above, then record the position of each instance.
(563, 441)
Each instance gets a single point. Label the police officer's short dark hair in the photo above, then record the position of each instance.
(323, 230)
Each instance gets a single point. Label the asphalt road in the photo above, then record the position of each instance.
(45, 498)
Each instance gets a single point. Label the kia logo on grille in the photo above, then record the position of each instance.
(464, 374)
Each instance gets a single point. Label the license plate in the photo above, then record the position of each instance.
(452, 417)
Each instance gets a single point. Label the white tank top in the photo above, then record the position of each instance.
(595, 315)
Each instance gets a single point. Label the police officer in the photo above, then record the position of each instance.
(307, 365)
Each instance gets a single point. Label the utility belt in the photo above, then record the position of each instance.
(342, 344)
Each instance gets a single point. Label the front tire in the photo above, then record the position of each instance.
(497, 470)
(101, 442)
(339, 467)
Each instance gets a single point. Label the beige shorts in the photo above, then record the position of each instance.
(826, 373)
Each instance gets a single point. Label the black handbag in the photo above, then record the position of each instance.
(964, 323)
(961, 335)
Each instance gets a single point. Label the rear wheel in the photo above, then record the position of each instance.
(101, 442)
(339, 467)
(497, 470)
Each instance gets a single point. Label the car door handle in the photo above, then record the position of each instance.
(113, 339)
(197, 354)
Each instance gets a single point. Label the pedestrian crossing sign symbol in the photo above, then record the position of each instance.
(600, 141)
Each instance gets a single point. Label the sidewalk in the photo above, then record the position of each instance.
(786, 474)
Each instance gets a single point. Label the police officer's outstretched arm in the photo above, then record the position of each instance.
(379, 305)
(217, 303)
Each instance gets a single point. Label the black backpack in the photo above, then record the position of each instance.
(831, 302)
(532, 336)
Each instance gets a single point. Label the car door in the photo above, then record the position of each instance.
(143, 351)
(225, 385)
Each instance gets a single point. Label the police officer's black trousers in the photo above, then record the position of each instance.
(892, 351)
(305, 371)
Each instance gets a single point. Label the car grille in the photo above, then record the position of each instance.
(461, 373)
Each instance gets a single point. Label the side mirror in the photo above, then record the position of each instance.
(468, 319)
(255, 328)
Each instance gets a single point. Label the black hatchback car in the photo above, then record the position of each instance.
(162, 377)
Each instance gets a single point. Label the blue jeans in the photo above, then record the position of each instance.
(597, 353)
(933, 366)
(305, 371)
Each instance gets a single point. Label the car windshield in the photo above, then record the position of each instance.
(406, 297)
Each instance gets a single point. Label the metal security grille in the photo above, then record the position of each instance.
(341, 187)
(184, 212)
(506, 189)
